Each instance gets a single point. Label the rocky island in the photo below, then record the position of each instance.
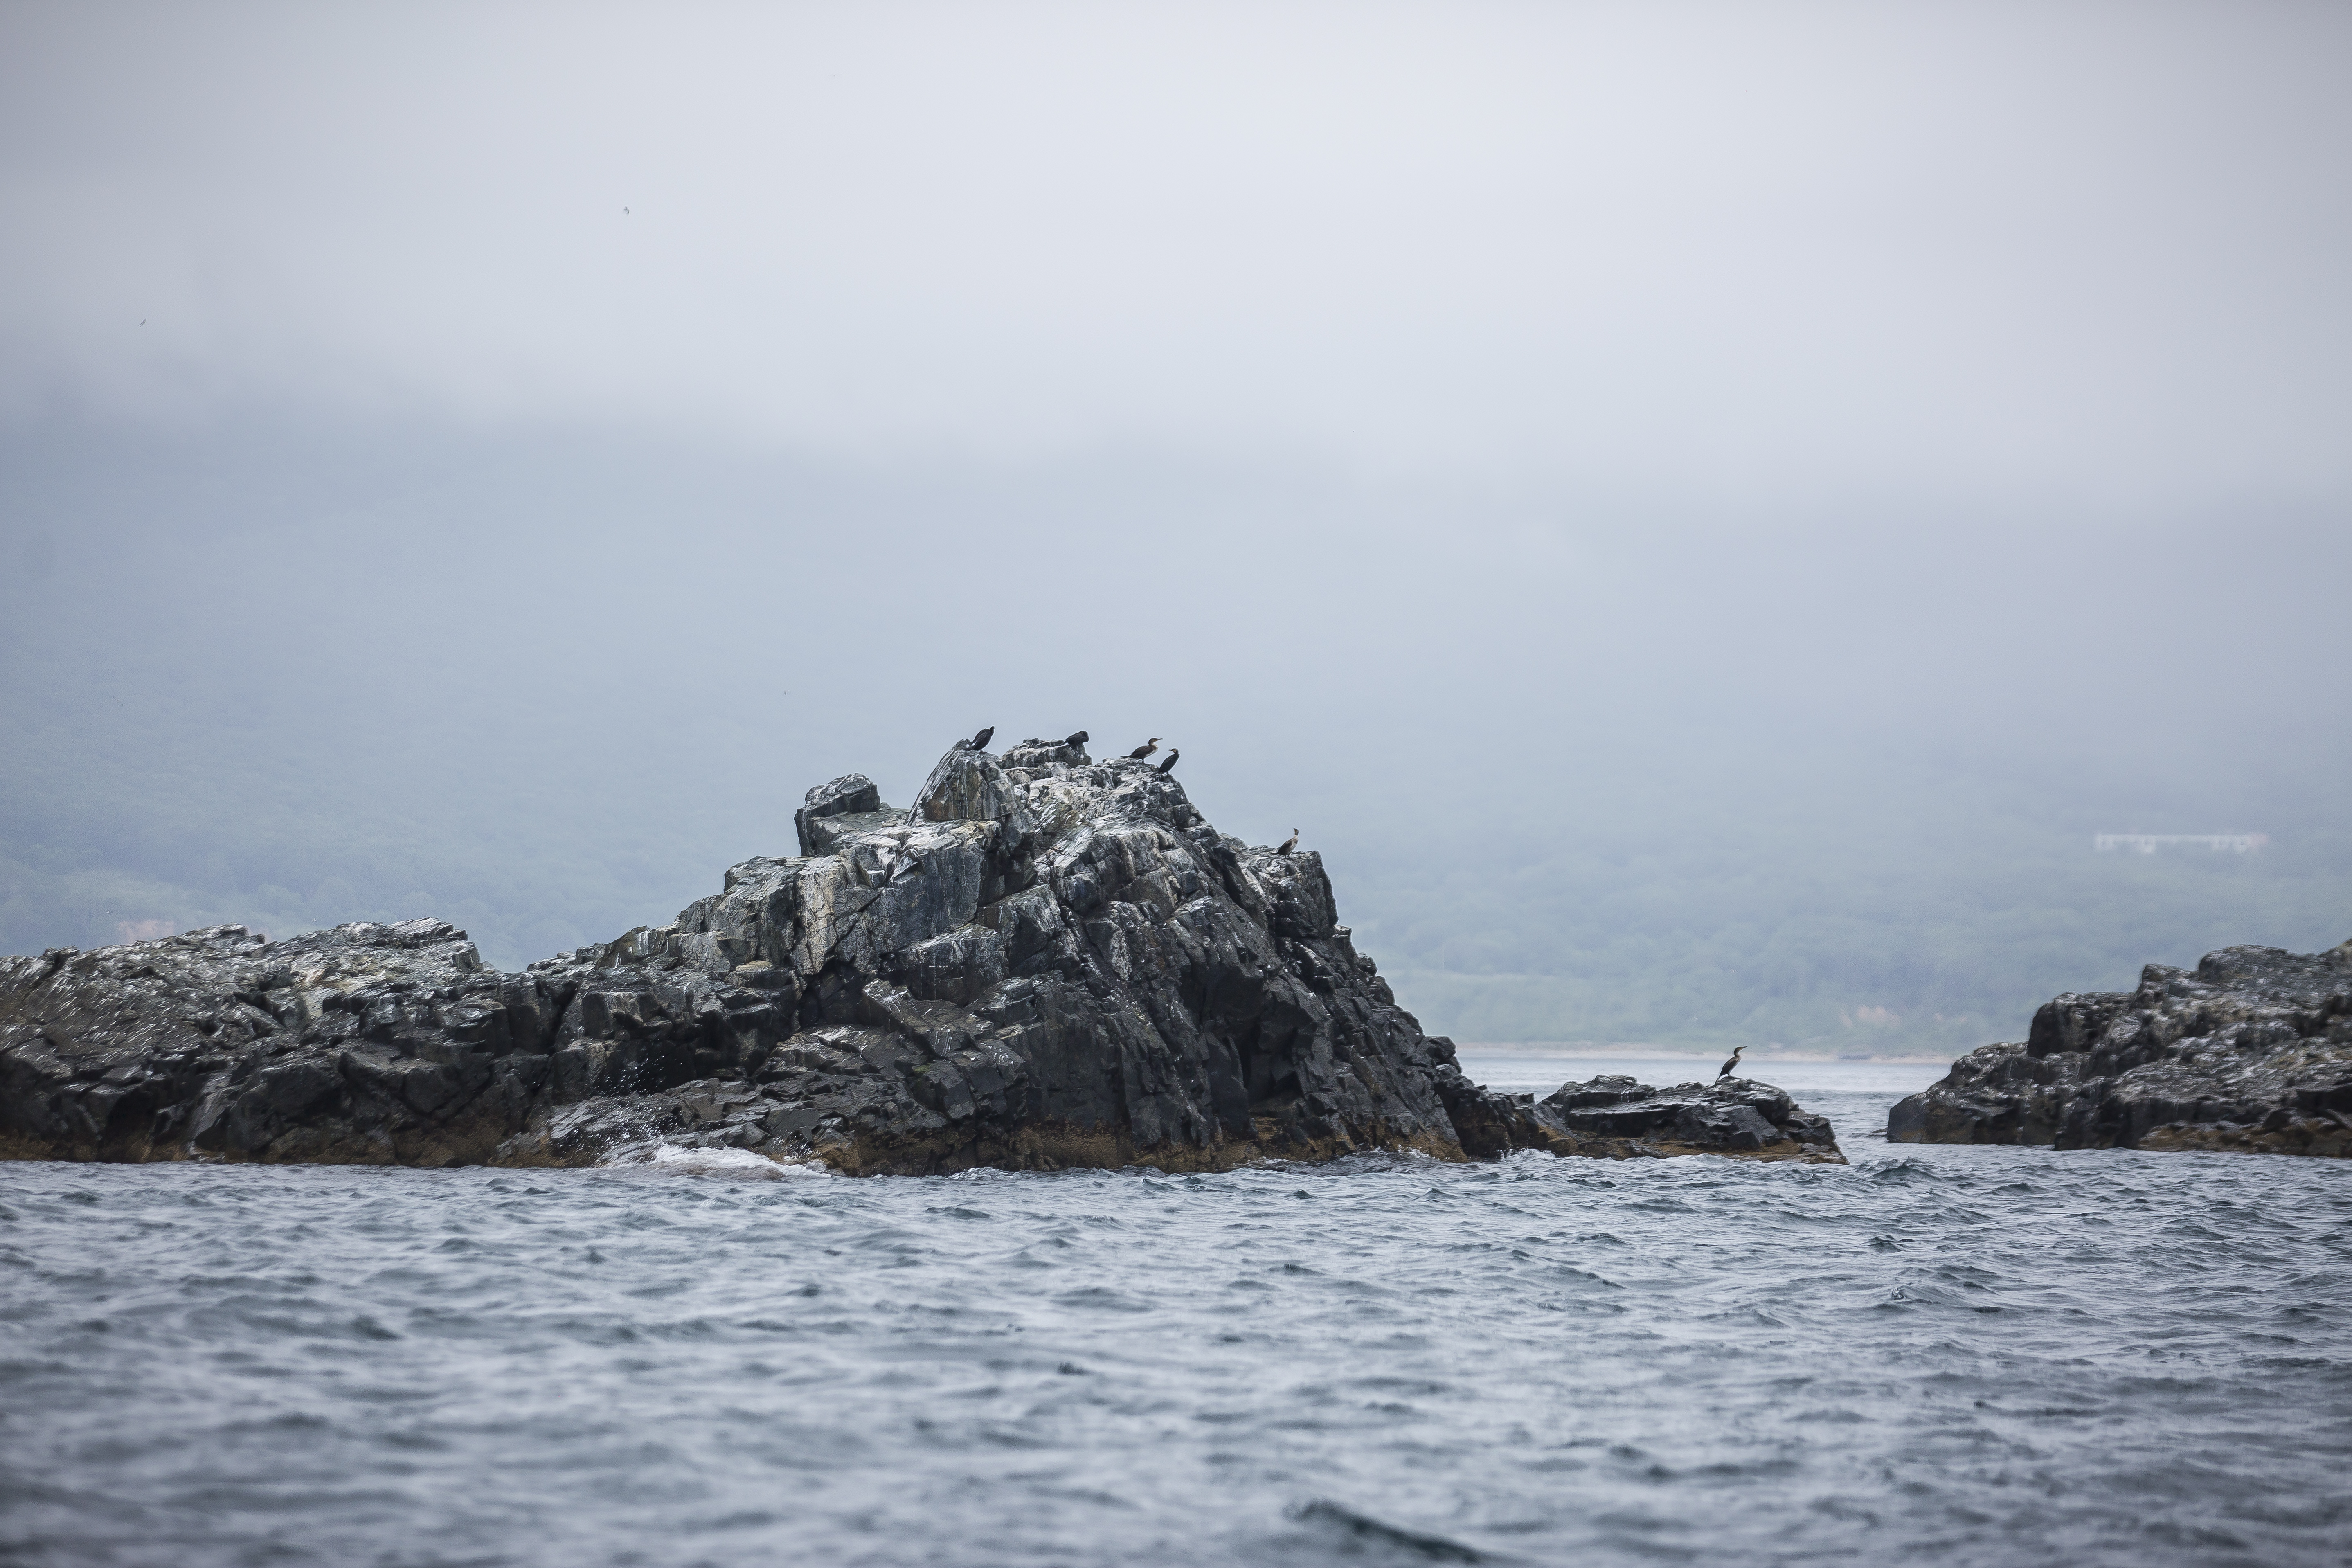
(1047, 962)
(2252, 1051)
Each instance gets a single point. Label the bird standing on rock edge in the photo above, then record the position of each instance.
(1287, 844)
(1173, 752)
(980, 742)
(1730, 1065)
(1144, 750)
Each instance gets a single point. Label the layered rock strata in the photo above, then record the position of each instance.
(2251, 1052)
(1047, 962)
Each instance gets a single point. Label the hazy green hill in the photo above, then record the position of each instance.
(1847, 947)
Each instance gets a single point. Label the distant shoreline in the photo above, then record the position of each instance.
(1584, 1050)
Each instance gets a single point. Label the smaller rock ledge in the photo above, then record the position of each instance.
(1734, 1116)
(1617, 1117)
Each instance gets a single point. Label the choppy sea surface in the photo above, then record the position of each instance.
(1932, 1356)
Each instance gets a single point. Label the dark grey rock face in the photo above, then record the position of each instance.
(1046, 960)
(2251, 1052)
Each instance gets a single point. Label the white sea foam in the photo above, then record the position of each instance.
(657, 1158)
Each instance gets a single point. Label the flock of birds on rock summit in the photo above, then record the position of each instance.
(979, 743)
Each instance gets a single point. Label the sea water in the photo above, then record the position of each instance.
(1933, 1355)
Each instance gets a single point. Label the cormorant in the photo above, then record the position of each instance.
(1078, 737)
(1730, 1065)
(1173, 752)
(980, 742)
(1287, 844)
(1145, 750)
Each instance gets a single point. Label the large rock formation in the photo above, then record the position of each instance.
(1047, 962)
(2252, 1052)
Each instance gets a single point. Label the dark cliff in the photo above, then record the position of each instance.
(1048, 962)
(2252, 1051)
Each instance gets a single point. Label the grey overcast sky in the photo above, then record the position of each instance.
(2090, 254)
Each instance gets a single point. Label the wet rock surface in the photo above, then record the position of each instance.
(1044, 961)
(2251, 1051)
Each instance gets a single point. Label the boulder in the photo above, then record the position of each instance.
(829, 810)
(1048, 962)
(2251, 1052)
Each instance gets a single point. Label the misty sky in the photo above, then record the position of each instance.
(442, 448)
(2093, 253)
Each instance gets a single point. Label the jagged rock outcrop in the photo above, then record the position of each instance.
(1046, 960)
(2252, 1052)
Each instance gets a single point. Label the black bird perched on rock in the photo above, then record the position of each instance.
(1078, 737)
(1145, 750)
(1730, 1065)
(1287, 844)
(980, 742)
(1173, 752)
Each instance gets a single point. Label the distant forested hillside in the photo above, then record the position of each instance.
(1814, 937)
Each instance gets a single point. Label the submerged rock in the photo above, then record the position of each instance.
(1044, 961)
(2251, 1052)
